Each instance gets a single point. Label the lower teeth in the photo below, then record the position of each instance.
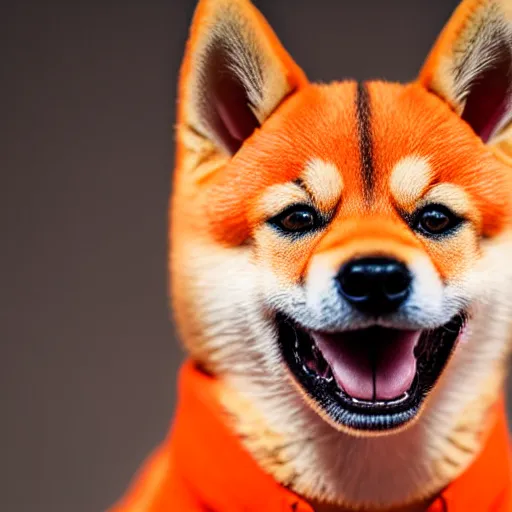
(396, 401)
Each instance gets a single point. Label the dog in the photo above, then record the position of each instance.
(341, 278)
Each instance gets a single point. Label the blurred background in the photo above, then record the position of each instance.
(89, 357)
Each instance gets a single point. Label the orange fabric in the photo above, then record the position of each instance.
(202, 467)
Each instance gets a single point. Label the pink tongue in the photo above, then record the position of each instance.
(374, 364)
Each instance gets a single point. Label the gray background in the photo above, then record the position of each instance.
(88, 356)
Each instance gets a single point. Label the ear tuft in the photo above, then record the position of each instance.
(485, 91)
(235, 73)
(471, 65)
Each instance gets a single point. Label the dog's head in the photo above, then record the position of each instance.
(341, 253)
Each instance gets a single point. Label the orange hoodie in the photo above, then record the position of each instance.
(202, 467)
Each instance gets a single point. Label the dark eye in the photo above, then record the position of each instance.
(296, 219)
(436, 220)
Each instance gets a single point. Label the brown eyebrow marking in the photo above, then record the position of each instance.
(363, 113)
(300, 183)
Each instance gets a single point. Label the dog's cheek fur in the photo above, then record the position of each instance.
(474, 379)
(221, 316)
(214, 302)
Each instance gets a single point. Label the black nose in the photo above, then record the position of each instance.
(375, 285)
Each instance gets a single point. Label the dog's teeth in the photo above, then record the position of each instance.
(326, 374)
(328, 377)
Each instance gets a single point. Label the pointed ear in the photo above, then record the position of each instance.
(235, 73)
(470, 66)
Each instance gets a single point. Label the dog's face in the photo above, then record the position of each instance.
(340, 253)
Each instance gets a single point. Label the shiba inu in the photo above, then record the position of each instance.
(341, 277)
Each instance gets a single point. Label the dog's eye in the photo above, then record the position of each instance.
(436, 220)
(296, 219)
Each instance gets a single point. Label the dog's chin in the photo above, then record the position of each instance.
(368, 381)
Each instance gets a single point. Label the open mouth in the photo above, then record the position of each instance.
(368, 379)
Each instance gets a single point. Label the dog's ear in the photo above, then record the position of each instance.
(235, 73)
(470, 66)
